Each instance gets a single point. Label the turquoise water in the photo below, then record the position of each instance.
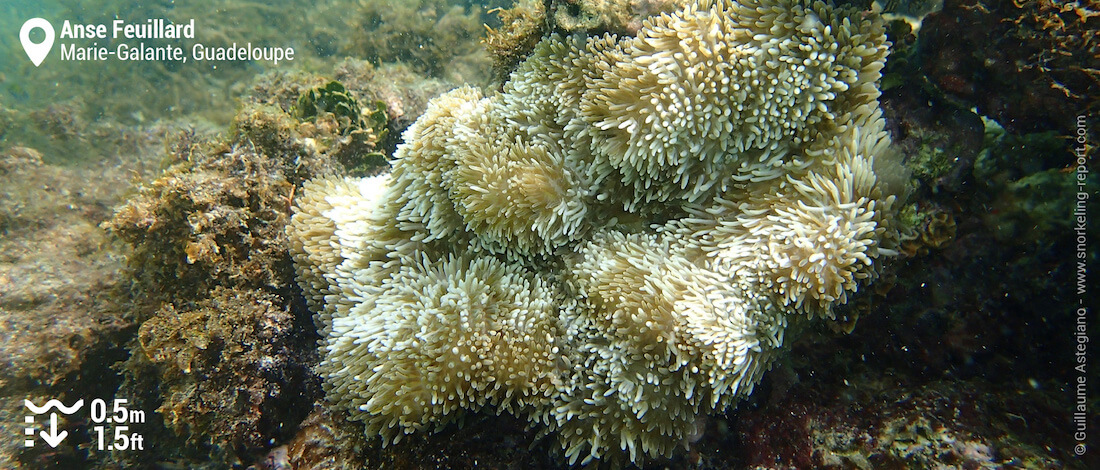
(197, 89)
(158, 89)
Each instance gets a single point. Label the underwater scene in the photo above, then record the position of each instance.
(549, 234)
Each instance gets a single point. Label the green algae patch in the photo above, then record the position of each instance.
(331, 98)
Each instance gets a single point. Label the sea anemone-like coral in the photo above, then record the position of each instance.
(422, 198)
(710, 97)
(824, 228)
(446, 332)
(518, 195)
(616, 244)
(659, 342)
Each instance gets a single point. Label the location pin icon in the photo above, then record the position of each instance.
(37, 52)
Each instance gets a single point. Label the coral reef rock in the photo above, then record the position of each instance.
(221, 349)
(62, 319)
(616, 244)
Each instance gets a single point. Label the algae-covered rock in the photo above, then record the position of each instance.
(520, 29)
(944, 424)
(1028, 65)
(359, 129)
(215, 216)
(330, 98)
(210, 219)
(231, 369)
(64, 314)
(225, 355)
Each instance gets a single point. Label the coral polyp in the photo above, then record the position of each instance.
(616, 244)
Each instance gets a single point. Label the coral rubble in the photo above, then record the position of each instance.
(617, 244)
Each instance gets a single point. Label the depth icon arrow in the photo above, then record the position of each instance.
(53, 438)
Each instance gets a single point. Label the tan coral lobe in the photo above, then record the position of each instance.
(616, 244)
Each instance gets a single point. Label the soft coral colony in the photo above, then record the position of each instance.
(615, 245)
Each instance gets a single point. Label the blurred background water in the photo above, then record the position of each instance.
(204, 93)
